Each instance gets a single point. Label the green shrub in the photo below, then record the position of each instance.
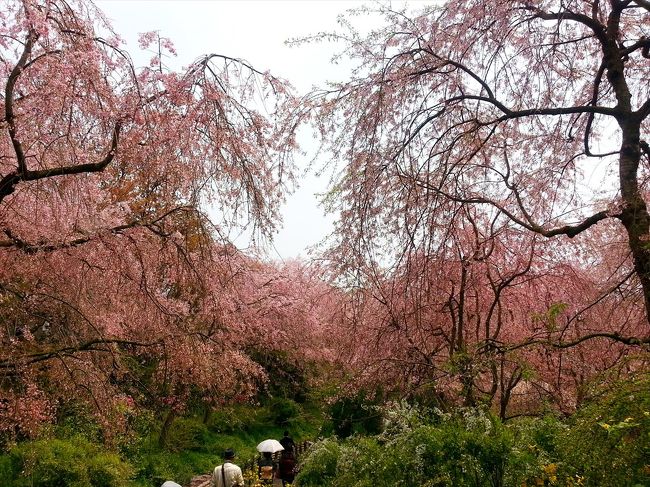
(187, 434)
(8, 471)
(159, 466)
(468, 449)
(283, 411)
(608, 442)
(224, 421)
(356, 414)
(108, 470)
(319, 468)
(535, 450)
(74, 419)
(71, 462)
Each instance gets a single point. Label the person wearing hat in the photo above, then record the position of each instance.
(228, 474)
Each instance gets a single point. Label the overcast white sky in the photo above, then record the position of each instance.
(255, 30)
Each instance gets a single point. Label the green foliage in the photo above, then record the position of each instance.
(240, 427)
(229, 420)
(74, 419)
(355, 414)
(158, 466)
(605, 443)
(321, 467)
(187, 434)
(469, 449)
(74, 462)
(194, 448)
(549, 318)
(8, 471)
(608, 442)
(108, 470)
(535, 448)
(284, 411)
(136, 441)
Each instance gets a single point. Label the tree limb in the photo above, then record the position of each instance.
(32, 36)
(617, 337)
(8, 183)
(568, 230)
(89, 346)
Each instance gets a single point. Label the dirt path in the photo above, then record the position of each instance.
(204, 481)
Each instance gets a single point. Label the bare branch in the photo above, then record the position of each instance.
(568, 230)
(596, 27)
(9, 103)
(617, 337)
(89, 346)
(9, 182)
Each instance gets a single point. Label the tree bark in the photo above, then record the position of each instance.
(164, 431)
(207, 412)
(634, 214)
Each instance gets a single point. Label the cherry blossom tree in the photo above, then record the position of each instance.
(132, 320)
(506, 106)
(74, 104)
(109, 258)
(493, 315)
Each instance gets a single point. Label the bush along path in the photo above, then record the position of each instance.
(249, 469)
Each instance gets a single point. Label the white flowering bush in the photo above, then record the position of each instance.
(423, 448)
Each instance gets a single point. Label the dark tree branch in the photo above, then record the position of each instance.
(8, 183)
(512, 114)
(644, 111)
(590, 120)
(643, 44)
(32, 248)
(89, 346)
(80, 168)
(617, 337)
(568, 230)
(32, 36)
(491, 98)
(596, 27)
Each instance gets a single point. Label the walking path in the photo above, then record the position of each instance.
(204, 480)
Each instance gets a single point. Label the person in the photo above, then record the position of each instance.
(287, 467)
(287, 442)
(169, 483)
(228, 474)
(266, 468)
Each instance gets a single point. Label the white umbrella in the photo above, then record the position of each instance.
(269, 446)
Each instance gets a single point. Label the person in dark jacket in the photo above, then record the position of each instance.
(287, 442)
(287, 467)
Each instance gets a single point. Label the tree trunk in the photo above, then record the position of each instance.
(169, 419)
(634, 215)
(207, 413)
